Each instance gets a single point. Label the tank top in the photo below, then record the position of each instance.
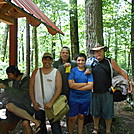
(49, 87)
(102, 76)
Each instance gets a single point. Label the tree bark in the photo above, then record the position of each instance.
(27, 48)
(35, 46)
(74, 28)
(132, 40)
(94, 25)
(116, 47)
(4, 48)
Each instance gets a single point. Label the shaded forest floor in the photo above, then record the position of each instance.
(123, 123)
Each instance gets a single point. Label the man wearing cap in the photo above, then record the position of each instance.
(52, 83)
(102, 104)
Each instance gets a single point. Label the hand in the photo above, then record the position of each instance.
(87, 71)
(130, 90)
(36, 106)
(48, 105)
(2, 86)
(67, 64)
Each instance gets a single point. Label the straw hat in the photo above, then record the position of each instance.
(98, 47)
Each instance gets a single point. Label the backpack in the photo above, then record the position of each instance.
(119, 86)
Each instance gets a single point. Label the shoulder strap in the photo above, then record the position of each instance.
(110, 67)
(41, 80)
(10, 83)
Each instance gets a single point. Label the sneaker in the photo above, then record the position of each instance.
(95, 131)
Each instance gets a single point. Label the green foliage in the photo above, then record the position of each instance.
(116, 22)
(58, 12)
(117, 28)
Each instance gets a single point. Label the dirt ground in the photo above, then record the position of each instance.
(123, 123)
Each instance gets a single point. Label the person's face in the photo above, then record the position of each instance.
(47, 62)
(64, 54)
(99, 54)
(11, 76)
(81, 62)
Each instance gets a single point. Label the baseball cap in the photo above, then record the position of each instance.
(47, 54)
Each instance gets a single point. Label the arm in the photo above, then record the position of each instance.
(57, 92)
(80, 86)
(31, 91)
(74, 85)
(121, 72)
(89, 86)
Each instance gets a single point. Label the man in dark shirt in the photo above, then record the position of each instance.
(102, 105)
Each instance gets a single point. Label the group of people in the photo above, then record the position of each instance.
(87, 92)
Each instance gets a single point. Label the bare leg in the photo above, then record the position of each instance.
(96, 123)
(26, 127)
(108, 125)
(71, 124)
(22, 113)
(6, 125)
(80, 123)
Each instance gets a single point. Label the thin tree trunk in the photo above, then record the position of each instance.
(53, 49)
(132, 40)
(74, 28)
(116, 47)
(27, 48)
(108, 44)
(21, 47)
(60, 28)
(35, 46)
(4, 46)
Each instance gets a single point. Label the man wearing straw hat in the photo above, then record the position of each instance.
(102, 105)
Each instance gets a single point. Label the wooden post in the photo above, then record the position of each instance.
(13, 43)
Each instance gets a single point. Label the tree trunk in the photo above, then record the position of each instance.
(35, 46)
(74, 29)
(60, 38)
(4, 46)
(21, 47)
(53, 49)
(94, 25)
(27, 48)
(116, 46)
(132, 40)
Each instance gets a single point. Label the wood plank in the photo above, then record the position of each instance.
(2, 3)
(6, 19)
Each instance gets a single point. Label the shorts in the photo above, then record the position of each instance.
(102, 105)
(78, 108)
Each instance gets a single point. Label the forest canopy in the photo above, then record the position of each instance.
(116, 33)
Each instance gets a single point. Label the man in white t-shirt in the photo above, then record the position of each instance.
(52, 85)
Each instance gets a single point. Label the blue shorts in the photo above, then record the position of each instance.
(102, 105)
(78, 108)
